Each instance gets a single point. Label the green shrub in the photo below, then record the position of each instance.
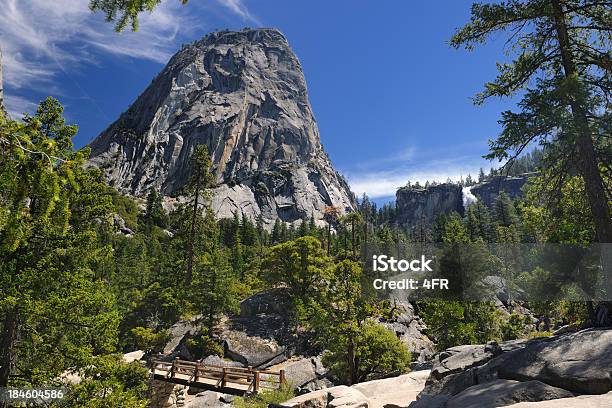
(379, 352)
(148, 340)
(265, 398)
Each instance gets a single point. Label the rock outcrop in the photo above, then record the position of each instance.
(488, 191)
(243, 95)
(388, 392)
(423, 205)
(541, 369)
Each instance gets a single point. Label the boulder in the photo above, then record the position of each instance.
(301, 372)
(500, 393)
(315, 385)
(346, 397)
(253, 351)
(430, 401)
(207, 399)
(334, 397)
(583, 401)
(221, 362)
(133, 356)
(274, 301)
(179, 330)
(409, 328)
(580, 362)
(395, 391)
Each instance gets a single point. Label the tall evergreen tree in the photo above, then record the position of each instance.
(200, 180)
(563, 62)
(51, 212)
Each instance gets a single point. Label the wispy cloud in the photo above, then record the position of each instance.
(384, 183)
(41, 38)
(238, 7)
(17, 106)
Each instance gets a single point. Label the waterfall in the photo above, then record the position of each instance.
(468, 197)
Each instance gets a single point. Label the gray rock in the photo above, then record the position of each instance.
(488, 191)
(423, 205)
(220, 362)
(179, 330)
(583, 401)
(243, 95)
(580, 362)
(430, 401)
(301, 372)
(253, 351)
(206, 399)
(500, 393)
(274, 301)
(410, 330)
(315, 385)
(227, 398)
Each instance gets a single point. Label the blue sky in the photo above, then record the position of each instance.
(391, 97)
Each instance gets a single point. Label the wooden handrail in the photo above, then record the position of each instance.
(224, 376)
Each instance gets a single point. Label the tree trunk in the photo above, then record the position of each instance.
(7, 344)
(351, 361)
(328, 237)
(2, 110)
(353, 237)
(189, 274)
(587, 161)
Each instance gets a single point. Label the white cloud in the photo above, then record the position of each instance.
(16, 106)
(385, 183)
(238, 7)
(40, 38)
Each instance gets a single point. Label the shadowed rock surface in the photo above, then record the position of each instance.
(521, 370)
(423, 205)
(500, 393)
(488, 191)
(243, 95)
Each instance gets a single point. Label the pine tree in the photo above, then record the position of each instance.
(124, 12)
(154, 214)
(504, 210)
(200, 180)
(51, 213)
(564, 44)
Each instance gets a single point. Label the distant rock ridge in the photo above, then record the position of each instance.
(488, 191)
(243, 95)
(423, 204)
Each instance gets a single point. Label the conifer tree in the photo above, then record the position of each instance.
(51, 211)
(124, 12)
(200, 180)
(563, 63)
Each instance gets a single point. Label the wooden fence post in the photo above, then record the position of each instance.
(256, 381)
(282, 378)
(223, 378)
(174, 367)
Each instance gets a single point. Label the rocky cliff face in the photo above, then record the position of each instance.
(423, 205)
(488, 191)
(244, 96)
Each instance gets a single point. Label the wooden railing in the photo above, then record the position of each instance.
(241, 380)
